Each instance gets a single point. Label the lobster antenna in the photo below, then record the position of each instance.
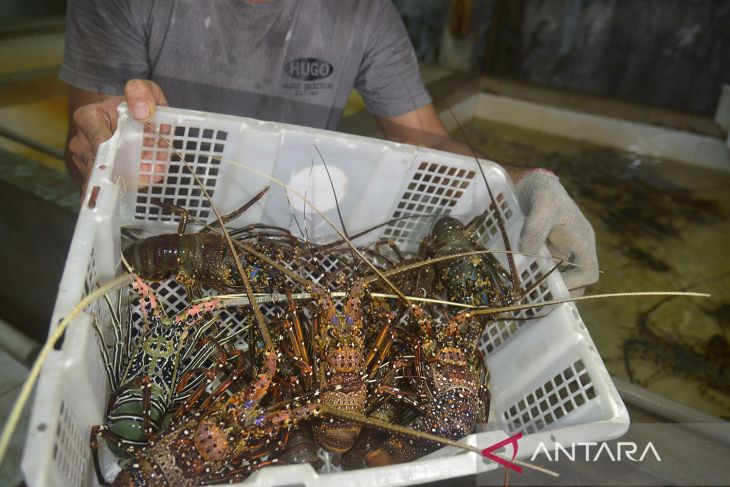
(376, 423)
(242, 300)
(494, 311)
(377, 271)
(382, 275)
(337, 200)
(303, 231)
(332, 185)
(14, 415)
(246, 283)
(126, 264)
(498, 211)
(235, 214)
(433, 260)
(304, 205)
(375, 227)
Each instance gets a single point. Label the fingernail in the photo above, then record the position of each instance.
(141, 110)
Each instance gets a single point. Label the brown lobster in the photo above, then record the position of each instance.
(227, 438)
(446, 383)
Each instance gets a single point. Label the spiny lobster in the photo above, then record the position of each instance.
(153, 372)
(446, 382)
(709, 365)
(229, 437)
(204, 258)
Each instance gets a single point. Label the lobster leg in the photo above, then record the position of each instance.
(301, 357)
(95, 432)
(383, 343)
(181, 212)
(195, 396)
(390, 244)
(406, 397)
(221, 361)
(485, 394)
(235, 213)
(418, 378)
(237, 372)
(148, 302)
(193, 292)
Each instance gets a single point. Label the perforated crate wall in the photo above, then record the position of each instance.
(434, 189)
(71, 447)
(498, 332)
(489, 228)
(171, 182)
(567, 391)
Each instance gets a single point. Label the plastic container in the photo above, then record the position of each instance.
(548, 380)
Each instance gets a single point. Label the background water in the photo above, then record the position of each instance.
(659, 225)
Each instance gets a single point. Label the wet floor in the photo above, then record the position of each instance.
(659, 225)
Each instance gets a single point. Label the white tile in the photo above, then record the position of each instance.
(518, 113)
(580, 126)
(713, 153)
(657, 141)
(607, 131)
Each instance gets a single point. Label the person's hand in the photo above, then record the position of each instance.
(94, 123)
(553, 218)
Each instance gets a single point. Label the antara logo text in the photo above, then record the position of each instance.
(619, 451)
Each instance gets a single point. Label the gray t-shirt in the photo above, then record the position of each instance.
(292, 61)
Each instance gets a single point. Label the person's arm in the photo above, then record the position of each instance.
(423, 126)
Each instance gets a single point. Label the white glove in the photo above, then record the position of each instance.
(553, 218)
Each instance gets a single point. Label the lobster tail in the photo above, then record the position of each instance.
(154, 258)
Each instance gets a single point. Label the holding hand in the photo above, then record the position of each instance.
(95, 120)
(553, 218)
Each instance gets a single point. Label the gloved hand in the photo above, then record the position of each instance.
(553, 218)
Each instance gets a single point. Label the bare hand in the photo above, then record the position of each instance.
(94, 123)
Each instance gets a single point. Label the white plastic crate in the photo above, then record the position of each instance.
(548, 380)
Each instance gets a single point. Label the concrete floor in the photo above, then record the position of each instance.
(11, 380)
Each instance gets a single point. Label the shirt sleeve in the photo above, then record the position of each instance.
(389, 79)
(106, 45)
